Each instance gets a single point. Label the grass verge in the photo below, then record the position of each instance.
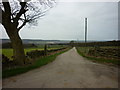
(40, 62)
(99, 59)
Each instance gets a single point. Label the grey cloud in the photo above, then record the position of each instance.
(66, 21)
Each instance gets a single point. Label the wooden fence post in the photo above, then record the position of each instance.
(45, 49)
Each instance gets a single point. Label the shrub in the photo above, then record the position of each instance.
(35, 53)
(109, 53)
(6, 62)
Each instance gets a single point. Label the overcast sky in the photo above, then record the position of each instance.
(66, 22)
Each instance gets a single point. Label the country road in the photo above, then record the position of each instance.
(69, 70)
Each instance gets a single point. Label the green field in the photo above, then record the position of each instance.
(9, 52)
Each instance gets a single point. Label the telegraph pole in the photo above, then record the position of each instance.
(85, 30)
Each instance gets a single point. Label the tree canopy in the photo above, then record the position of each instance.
(21, 13)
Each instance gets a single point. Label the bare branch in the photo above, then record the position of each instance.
(35, 17)
(27, 12)
(24, 23)
(22, 11)
(22, 19)
(24, 16)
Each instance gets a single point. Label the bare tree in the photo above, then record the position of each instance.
(15, 15)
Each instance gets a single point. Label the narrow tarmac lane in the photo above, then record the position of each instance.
(69, 70)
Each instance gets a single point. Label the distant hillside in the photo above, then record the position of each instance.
(5, 40)
(40, 41)
(30, 41)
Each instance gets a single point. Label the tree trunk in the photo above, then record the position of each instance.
(17, 45)
(10, 24)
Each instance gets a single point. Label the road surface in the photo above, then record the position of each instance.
(69, 70)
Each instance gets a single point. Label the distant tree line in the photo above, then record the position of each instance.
(107, 43)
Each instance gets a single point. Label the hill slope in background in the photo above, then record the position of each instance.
(31, 41)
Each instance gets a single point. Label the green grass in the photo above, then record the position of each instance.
(84, 50)
(9, 52)
(40, 62)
